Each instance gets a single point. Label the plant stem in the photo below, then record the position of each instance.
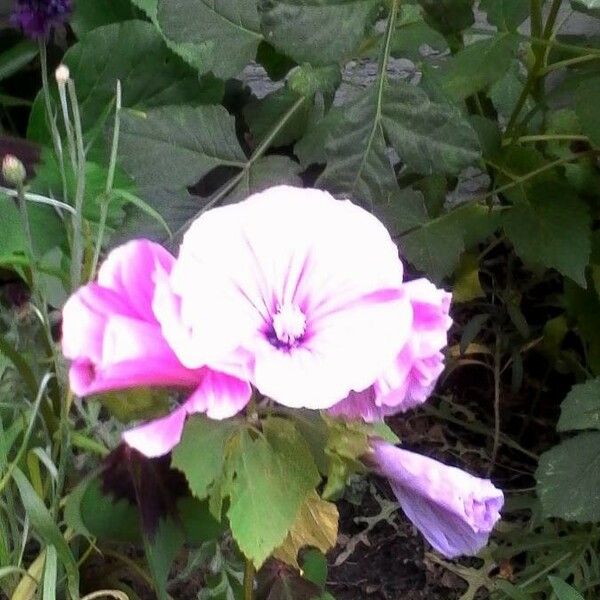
(110, 178)
(568, 63)
(56, 141)
(548, 138)
(77, 257)
(496, 445)
(249, 573)
(258, 153)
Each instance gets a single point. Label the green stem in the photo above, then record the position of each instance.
(569, 62)
(77, 258)
(249, 573)
(110, 178)
(58, 149)
(548, 138)
(258, 153)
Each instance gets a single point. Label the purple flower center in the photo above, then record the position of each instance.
(287, 327)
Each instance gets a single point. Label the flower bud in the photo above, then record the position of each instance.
(13, 171)
(62, 74)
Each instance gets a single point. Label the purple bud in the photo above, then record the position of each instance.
(455, 511)
(36, 18)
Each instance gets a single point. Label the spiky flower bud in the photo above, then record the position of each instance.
(13, 171)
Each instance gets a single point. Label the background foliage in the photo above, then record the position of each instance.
(471, 129)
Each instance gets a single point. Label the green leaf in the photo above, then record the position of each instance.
(175, 146)
(320, 32)
(449, 16)
(587, 98)
(161, 551)
(274, 474)
(429, 137)
(43, 523)
(90, 512)
(412, 33)
(47, 230)
(204, 438)
(224, 34)
(16, 57)
(551, 228)
(435, 247)
(568, 479)
(478, 65)
(563, 590)
(198, 523)
(581, 408)
(90, 14)
(506, 15)
(134, 53)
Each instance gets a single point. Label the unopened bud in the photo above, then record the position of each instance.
(62, 74)
(13, 171)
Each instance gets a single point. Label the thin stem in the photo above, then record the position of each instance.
(110, 178)
(36, 198)
(249, 573)
(496, 445)
(549, 28)
(547, 138)
(58, 149)
(569, 62)
(77, 258)
(258, 153)
(62, 93)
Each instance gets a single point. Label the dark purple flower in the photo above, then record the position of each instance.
(36, 18)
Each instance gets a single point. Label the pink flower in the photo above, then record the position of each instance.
(301, 291)
(411, 377)
(112, 337)
(455, 511)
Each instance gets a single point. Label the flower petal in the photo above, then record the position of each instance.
(220, 396)
(159, 436)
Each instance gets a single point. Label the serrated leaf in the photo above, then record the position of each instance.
(316, 526)
(201, 453)
(266, 172)
(581, 408)
(320, 32)
(551, 228)
(175, 146)
(436, 246)
(478, 65)
(225, 34)
(273, 476)
(506, 15)
(134, 53)
(429, 137)
(568, 479)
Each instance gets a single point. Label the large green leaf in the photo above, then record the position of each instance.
(201, 453)
(436, 245)
(478, 65)
(223, 34)
(551, 228)
(412, 33)
(429, 137)
(274, 474)
(568, 479)
(175, 146)
(563, 590)
(89, 14)
(506, 15)
(581, 408)
(134, 53)
(317, 31)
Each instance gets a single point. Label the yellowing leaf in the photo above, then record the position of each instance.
(466, 283)
(316, 525)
